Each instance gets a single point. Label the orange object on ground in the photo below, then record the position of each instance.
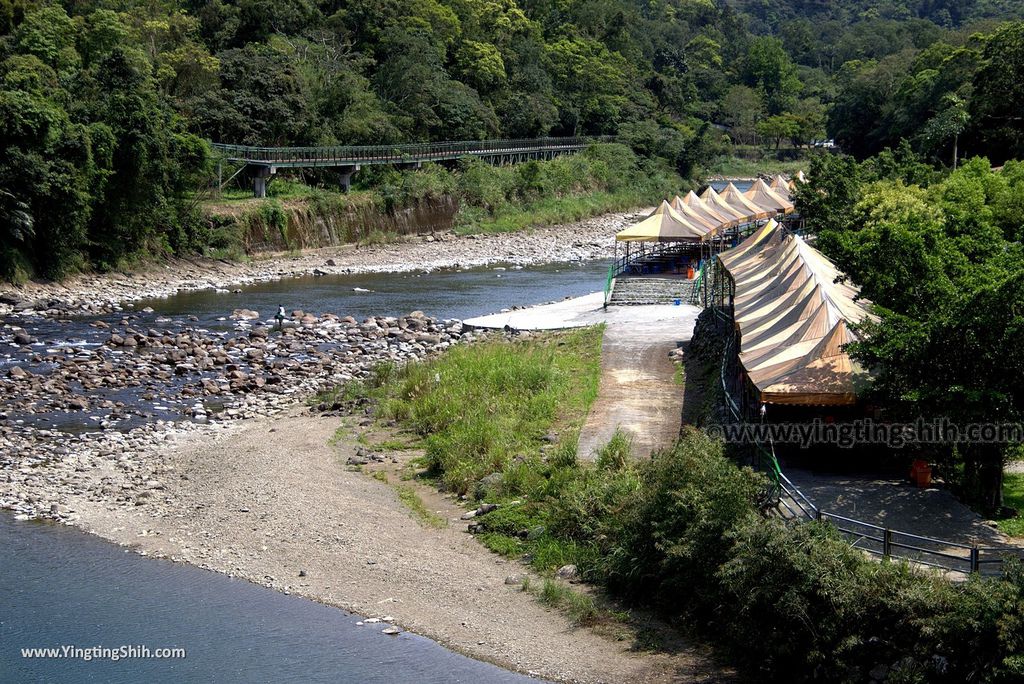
(689, 273)
(921, 473)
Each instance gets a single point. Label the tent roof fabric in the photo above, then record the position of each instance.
(793, 319)
(664, 225)
(698, 212)
(780, 186)
(763, 196)
(723, 218)
(737, 199)
(716, 202)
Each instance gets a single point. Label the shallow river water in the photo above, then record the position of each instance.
(61, 587)
(440, 294)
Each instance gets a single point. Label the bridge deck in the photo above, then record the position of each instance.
(401, 154)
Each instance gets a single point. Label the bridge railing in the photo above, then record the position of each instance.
(403, 153)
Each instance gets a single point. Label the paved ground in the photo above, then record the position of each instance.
(932, 512)
(587, 310)
(638, 392)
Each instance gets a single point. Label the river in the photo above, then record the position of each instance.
(60, 586)
(441, 294)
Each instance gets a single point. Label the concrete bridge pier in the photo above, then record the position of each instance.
(260, 177)
(345, 176)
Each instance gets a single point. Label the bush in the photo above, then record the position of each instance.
(683, 532)
(797, 602)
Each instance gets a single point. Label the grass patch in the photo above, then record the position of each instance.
(408, 496)
(549, 211)
(341, 433)
(484, 410)
(336, 396)
(737, 167)
(1013, 497)
(380, 476)
(615, 454)
(485, 413)
(581, 608)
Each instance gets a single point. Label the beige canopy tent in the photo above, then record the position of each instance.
(716, 202)
(719, 217)
(737, 199)
(761, 195)
(794, 320)
(664, 225)
(696, 215)
(780, 186)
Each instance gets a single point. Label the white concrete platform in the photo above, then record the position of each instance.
(583, 311)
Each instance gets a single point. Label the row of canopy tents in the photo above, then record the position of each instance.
(699, 218)
(793, 313)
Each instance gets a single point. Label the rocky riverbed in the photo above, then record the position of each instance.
(79, 415)
(103, 293)
(116, 389)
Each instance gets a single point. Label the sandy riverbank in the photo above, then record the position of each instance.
(584, 240)
(271, 501)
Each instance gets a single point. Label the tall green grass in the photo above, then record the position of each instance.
(486, 408)
(1013, 497)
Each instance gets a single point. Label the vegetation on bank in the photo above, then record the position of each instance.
(104, 108)
(1013, 499)
(472, 197)
(940, 256)
(682, 531)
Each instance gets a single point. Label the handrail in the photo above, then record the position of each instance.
(695, 292)
(608, 284)
(404, 152)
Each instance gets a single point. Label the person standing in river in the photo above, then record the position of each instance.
(280, 316)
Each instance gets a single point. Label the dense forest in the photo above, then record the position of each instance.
(105, 104)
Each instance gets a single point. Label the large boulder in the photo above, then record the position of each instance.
(244, 315)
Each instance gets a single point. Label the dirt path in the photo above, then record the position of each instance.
(639, 392)
(270, 499)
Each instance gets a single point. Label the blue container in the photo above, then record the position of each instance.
(677, 302)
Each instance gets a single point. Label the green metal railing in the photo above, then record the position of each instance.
(695, 297)
(612, 272)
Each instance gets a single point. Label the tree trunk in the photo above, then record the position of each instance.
(956, 140)
(990, 478)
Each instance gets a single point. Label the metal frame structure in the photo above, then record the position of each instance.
(264, 162)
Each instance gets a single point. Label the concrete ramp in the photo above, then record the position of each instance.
(638, 391)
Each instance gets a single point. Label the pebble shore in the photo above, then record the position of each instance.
(214, 379)
(102, 293)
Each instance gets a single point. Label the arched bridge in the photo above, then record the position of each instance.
(263, 162)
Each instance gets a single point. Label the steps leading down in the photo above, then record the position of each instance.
(650, 290)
